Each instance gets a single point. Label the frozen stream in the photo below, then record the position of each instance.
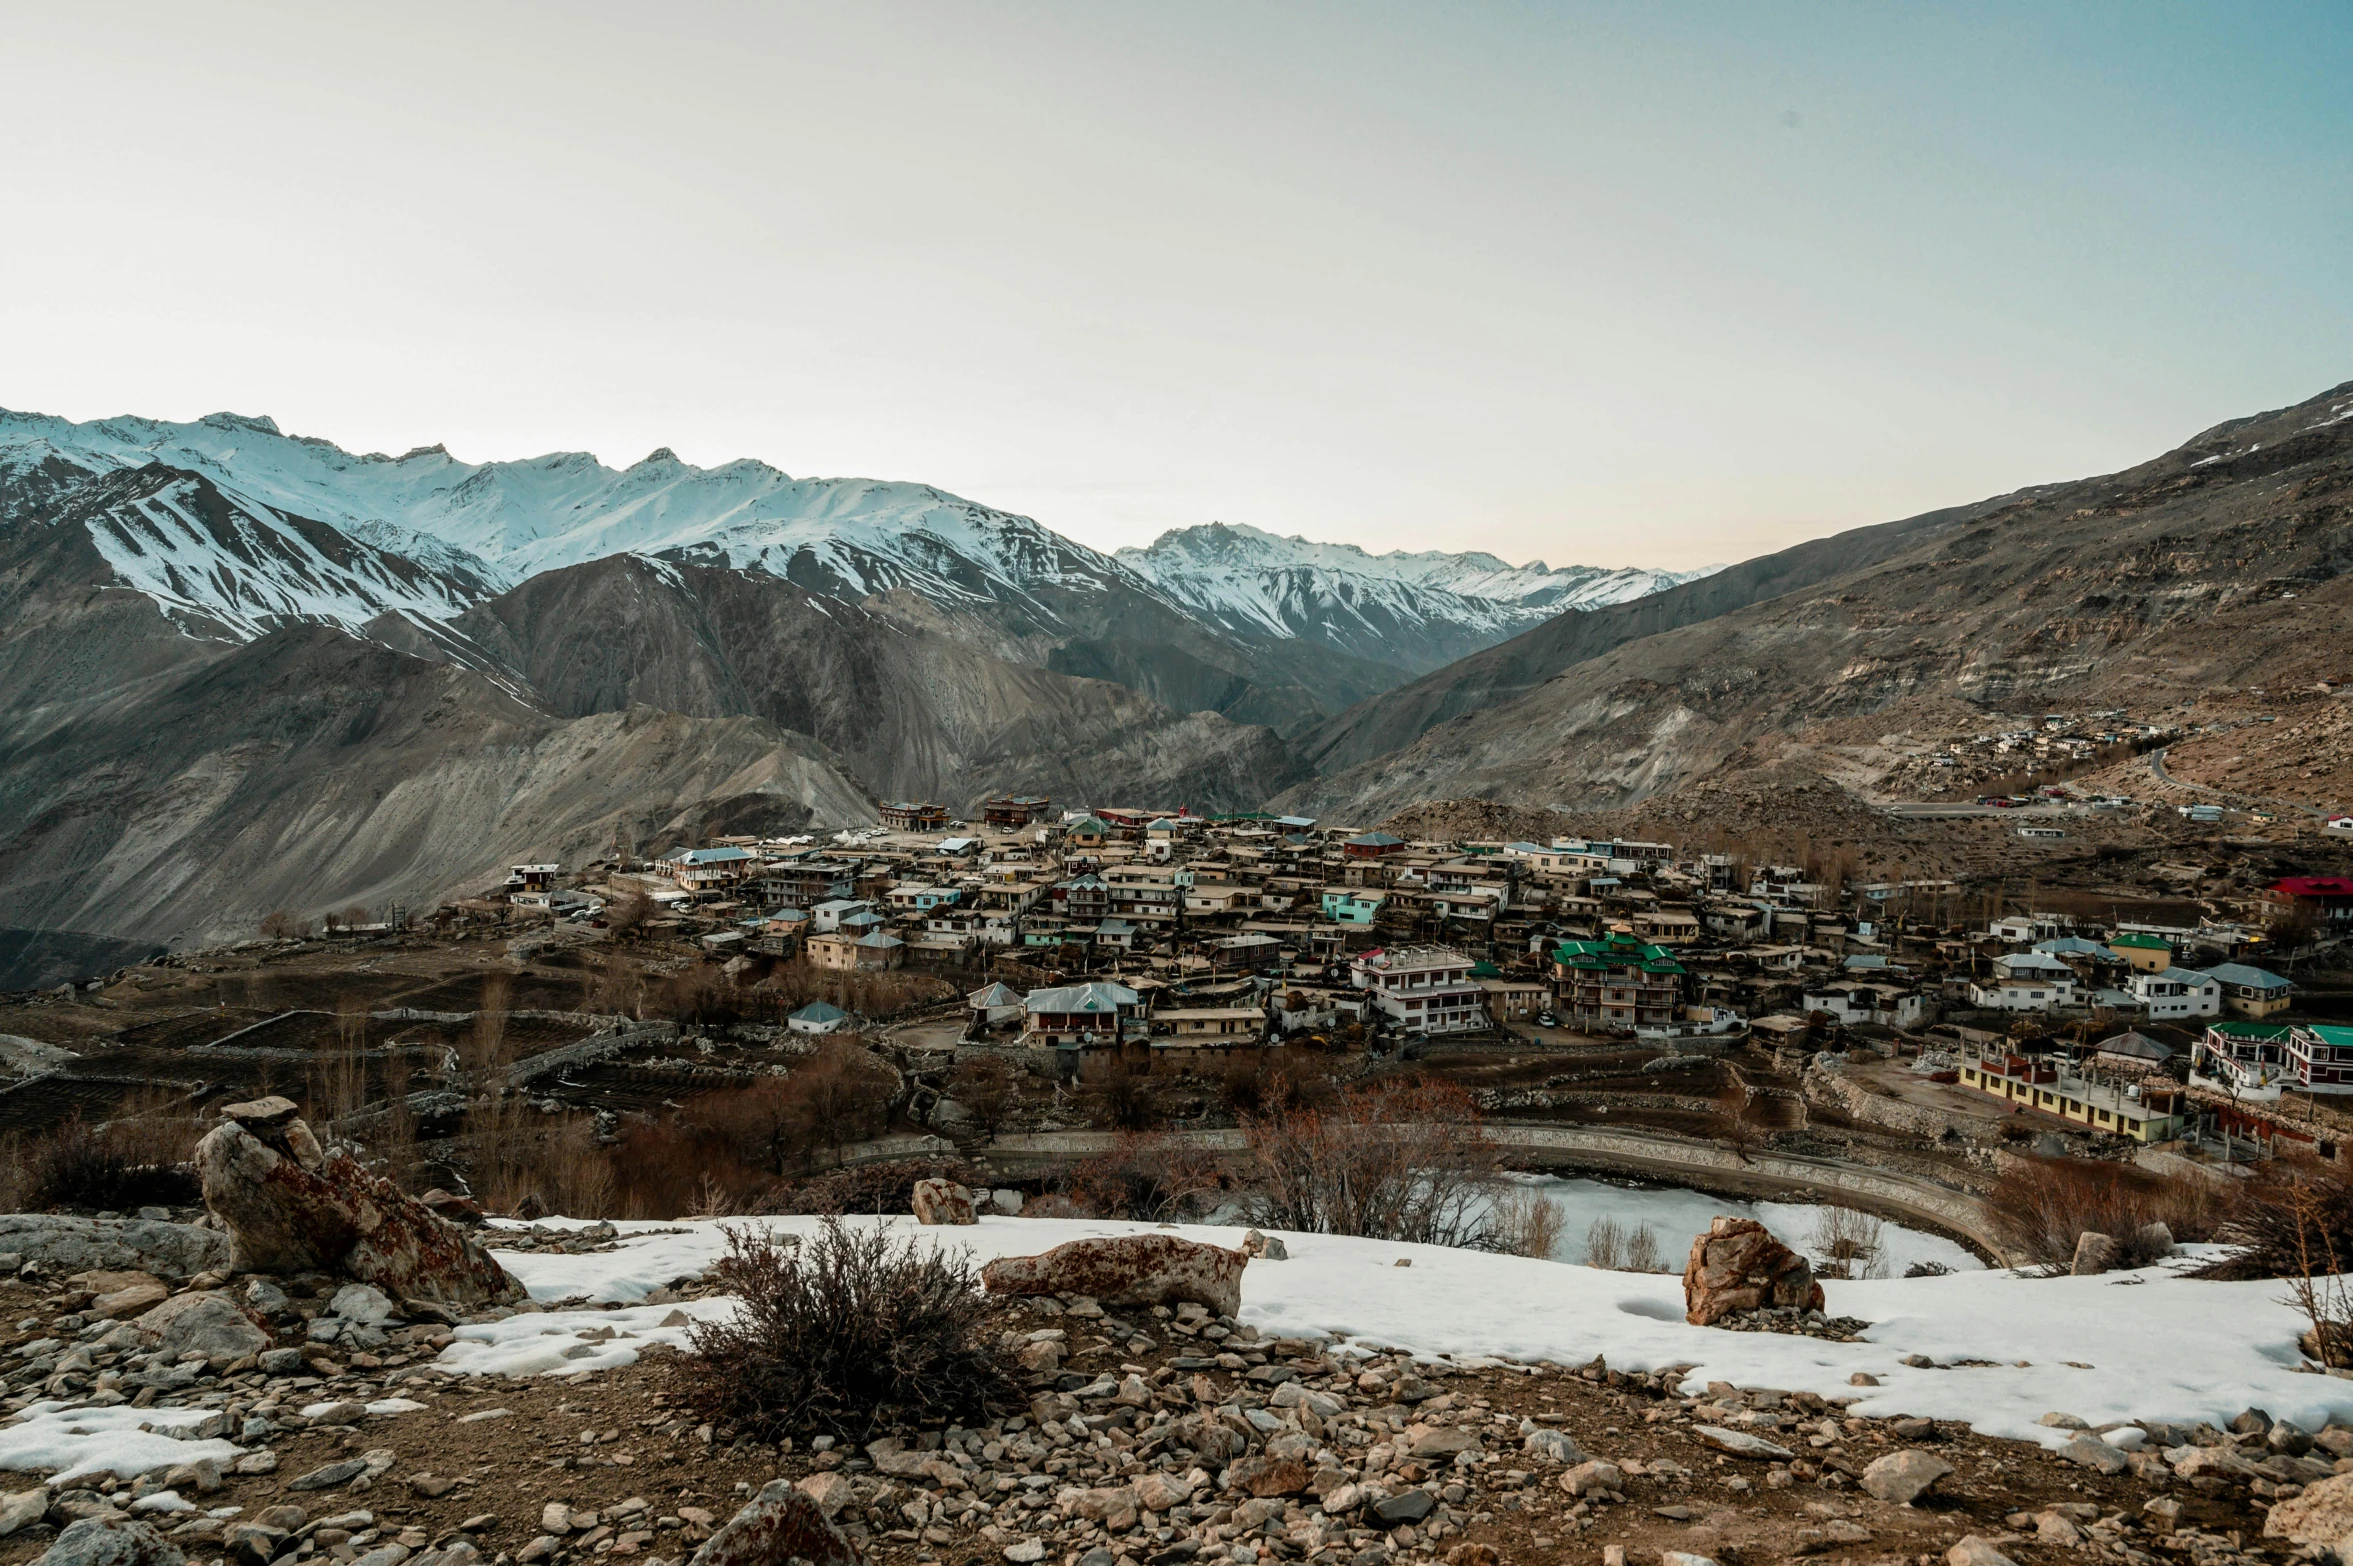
(1674, 1215)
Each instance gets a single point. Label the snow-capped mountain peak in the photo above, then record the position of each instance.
(470, 530)
(1413, 608)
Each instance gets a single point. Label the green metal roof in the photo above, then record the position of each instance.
(1617, 951)
(2261, 1031)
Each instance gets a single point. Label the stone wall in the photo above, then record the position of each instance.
(1833, 1089)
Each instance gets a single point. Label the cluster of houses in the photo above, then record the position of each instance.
(1223, 930)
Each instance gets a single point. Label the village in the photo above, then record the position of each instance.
(1179, 933)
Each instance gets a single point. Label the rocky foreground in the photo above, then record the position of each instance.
(268, 1384)
(1152, 1436)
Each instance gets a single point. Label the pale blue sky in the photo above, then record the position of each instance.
(1642, 284)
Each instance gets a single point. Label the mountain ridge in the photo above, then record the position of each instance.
(478, 529)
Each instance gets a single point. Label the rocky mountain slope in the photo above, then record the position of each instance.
(914, 711)
(2102, 591)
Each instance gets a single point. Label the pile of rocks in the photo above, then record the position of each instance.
(1791, 1319)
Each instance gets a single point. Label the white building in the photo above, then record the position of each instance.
(1424, 989)
(1888, 1005)
(2026, 981)
(2178, 992)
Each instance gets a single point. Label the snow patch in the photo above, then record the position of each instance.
(80, 1442)
(2150, 1344)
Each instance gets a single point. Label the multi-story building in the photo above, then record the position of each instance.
(805, 883)
(906, 816)
(2259, 1059)
(707, 869)
(1143, 894)
(2026, 981)
(1617, 984)
(1015, 810)
(2249, 991)
(1081, 897)
(2177, 993)
(1426, 989)
(1353, 905)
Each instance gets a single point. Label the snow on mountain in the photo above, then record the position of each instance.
(1248, 580)
(516, 519)
(221, 563)
(470, 530)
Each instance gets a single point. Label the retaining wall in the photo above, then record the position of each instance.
(1703, 1165)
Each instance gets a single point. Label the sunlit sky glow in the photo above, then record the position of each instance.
(1647, 284)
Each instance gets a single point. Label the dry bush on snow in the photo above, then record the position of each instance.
(2043, 1206)
(845, 1332)
(1846, 1244)
(1525, 1222)
(2294, 1221)
(1613, 1245)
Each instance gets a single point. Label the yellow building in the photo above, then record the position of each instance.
(2144, 953)
(2141, 1114)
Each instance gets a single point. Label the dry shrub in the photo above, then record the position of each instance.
(1846, 1244)
(791, 985)
(1157, 1179)
(1612, 1245)
(1124, 1098)
(987, 1088)
(845, 1332)
(2292, 1219)
(661, 1169)
(841, 1093)
(1265, 1082)
(2043, 1206)
(139, 1158)
(1391, 1160)
(673, 1169)
(1605, 1244)
(1526, 1223)
(868, 1188)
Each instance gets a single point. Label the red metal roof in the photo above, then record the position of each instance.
(2314, 886)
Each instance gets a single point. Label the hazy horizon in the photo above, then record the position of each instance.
(1593, 285)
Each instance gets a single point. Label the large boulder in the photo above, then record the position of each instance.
(169, 1250)
(2320, 1518)
(212, 1324)
(943, 1201)
(1131, 1269)
(291, 1206)
(111, 1541)
(1738, 1266)
(778, 1525)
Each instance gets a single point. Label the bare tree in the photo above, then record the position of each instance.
(1389, 1160)
(986, 1087)
(626, 914)
(1736, 1113)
